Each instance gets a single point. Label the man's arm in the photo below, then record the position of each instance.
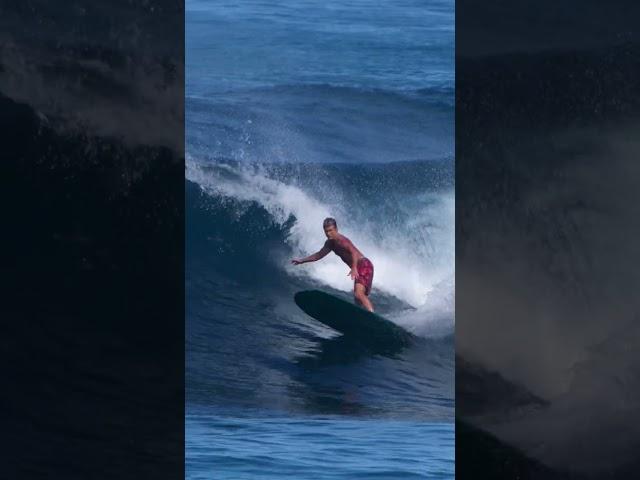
(354, 262)
(323, 252)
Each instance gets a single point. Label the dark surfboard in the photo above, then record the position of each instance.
(351, 320)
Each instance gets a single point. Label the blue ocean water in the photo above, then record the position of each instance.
(322, 448)
(296, 111)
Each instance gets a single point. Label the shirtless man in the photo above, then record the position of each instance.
(361, 267)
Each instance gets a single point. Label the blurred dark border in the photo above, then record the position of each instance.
(547, 117)
(91, 128)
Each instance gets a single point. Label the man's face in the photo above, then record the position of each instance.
(331, 232)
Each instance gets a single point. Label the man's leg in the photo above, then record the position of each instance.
(361, 297)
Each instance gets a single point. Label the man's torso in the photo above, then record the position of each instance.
(343, 247)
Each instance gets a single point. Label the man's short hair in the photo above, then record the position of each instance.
(329, 221)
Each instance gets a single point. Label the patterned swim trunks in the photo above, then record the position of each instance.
(365, 274)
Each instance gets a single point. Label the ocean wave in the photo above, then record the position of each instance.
(412, 248)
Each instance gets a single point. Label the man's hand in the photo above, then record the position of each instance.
(354, 274)
(295, 261)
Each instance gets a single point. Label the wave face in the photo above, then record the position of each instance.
(278, 141)
(244, 224)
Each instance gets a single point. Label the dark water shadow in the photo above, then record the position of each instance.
(317, 389)
(343, 350)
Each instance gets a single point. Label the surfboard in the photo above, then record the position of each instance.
(351, 320)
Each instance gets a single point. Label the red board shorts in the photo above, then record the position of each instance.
(365, 274)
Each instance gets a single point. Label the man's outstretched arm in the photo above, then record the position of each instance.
(323, 252)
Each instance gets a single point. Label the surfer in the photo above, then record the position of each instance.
(361, 267)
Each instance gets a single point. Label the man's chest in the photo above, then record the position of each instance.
(341, 247)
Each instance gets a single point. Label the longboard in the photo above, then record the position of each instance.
(351, 320)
